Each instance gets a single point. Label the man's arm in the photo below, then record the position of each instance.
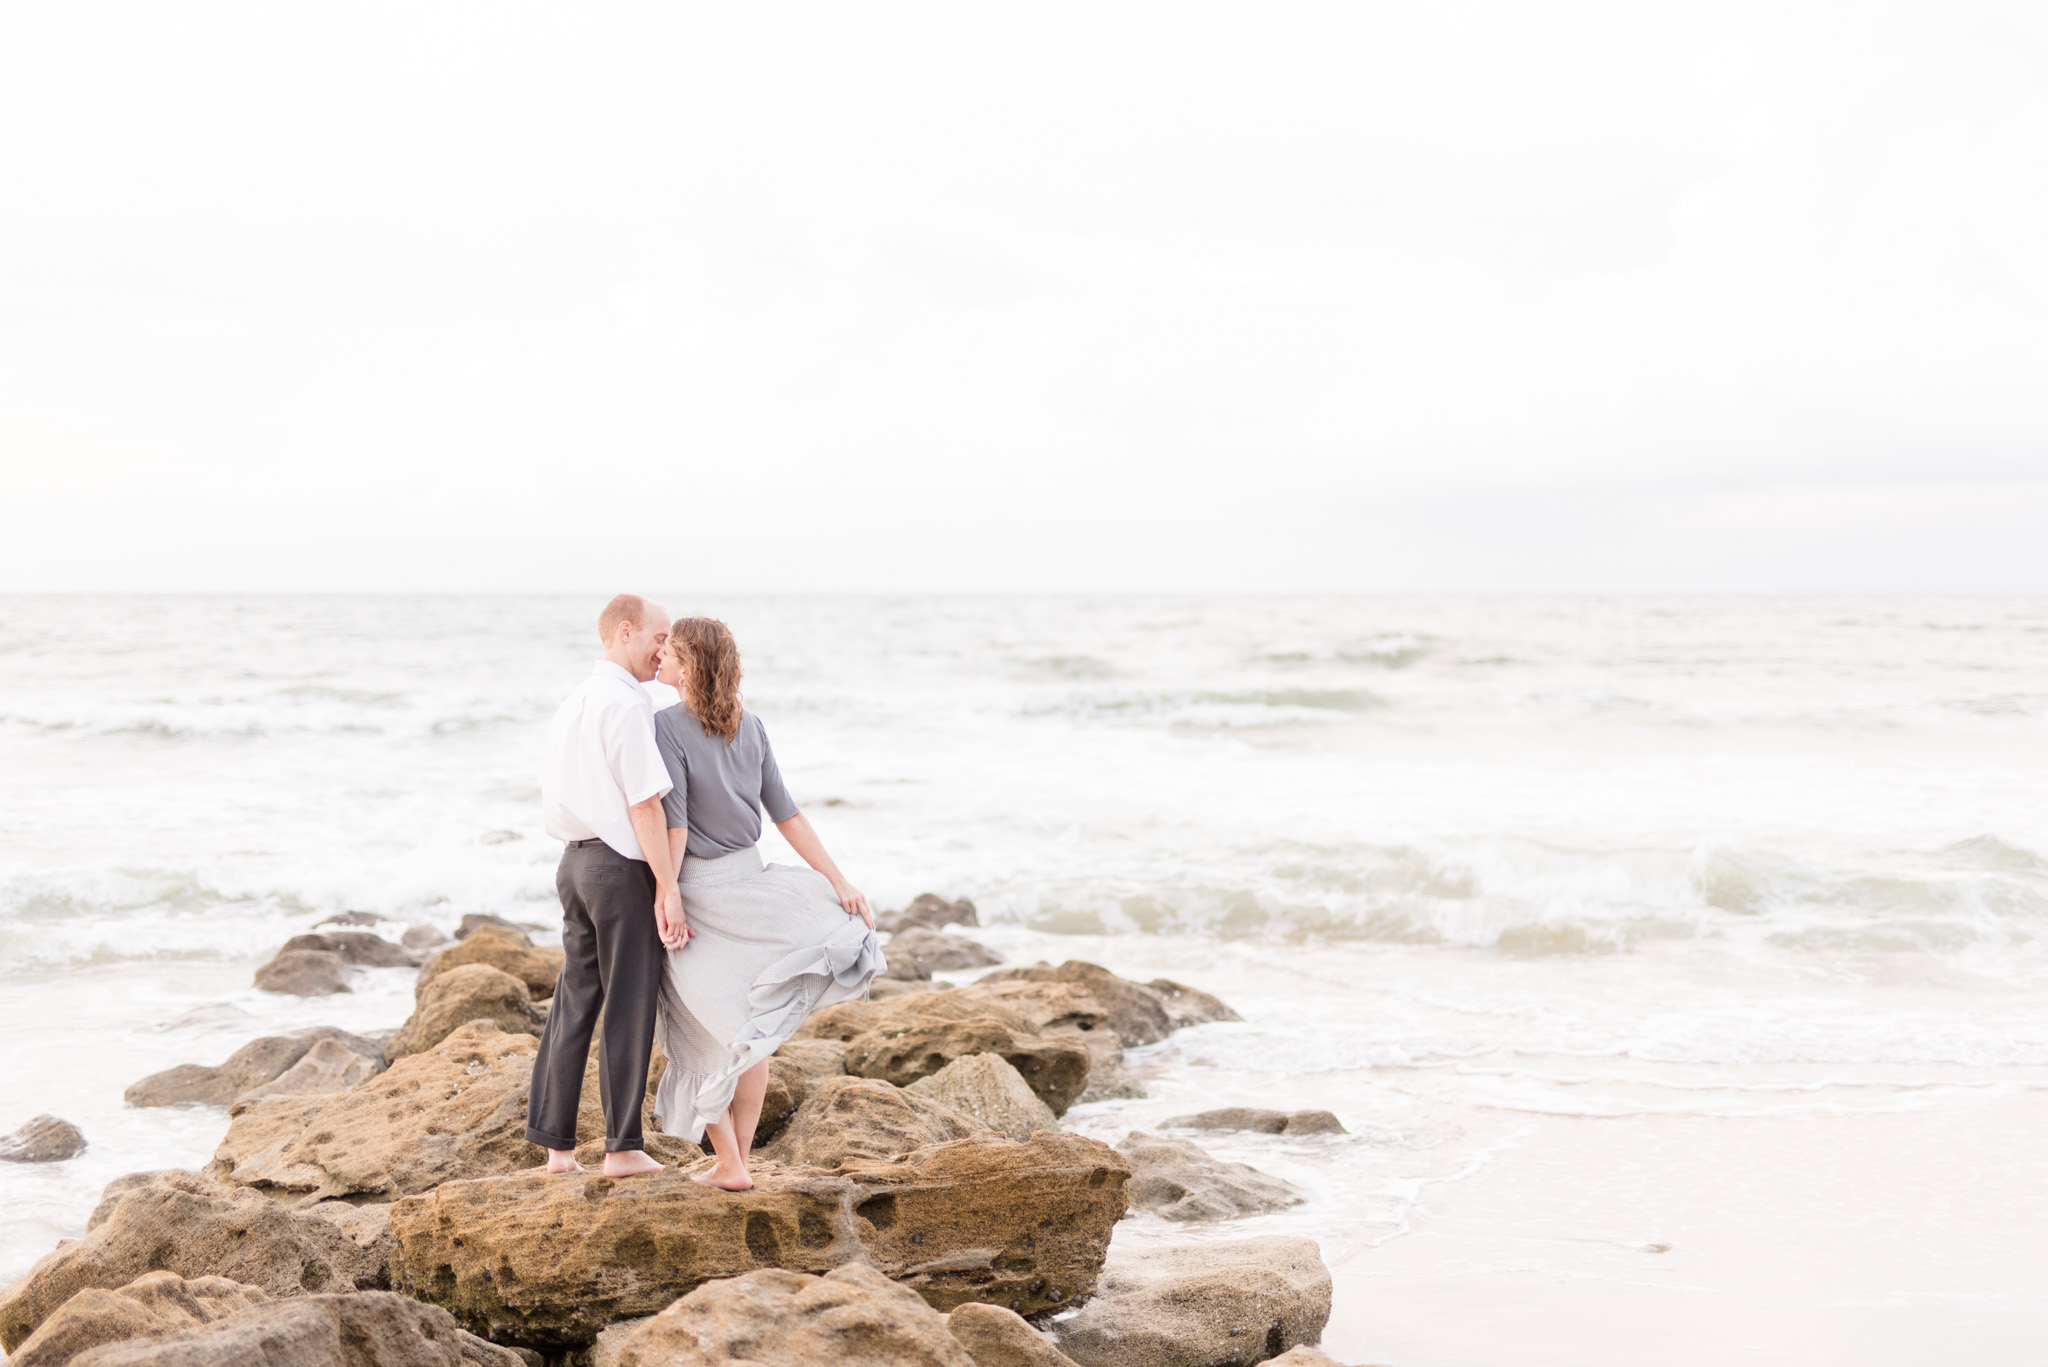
(668, 899)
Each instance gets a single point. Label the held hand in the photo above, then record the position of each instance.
(669, 921)
(856, 902)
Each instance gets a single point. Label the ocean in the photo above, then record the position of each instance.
(1679, 966)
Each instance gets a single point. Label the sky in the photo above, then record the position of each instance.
(1361, 297)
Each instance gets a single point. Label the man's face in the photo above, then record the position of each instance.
(644, 642)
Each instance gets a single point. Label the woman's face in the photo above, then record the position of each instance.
(671, 671)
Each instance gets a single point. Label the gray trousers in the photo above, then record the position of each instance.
(612, 962)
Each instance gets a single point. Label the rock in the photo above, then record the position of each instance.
(941, 952)
(368, 1225)
(816, 1059)
(537, 968)
(989, 1090)
(548, 1262)
(847, 1118)
(356, 947)
(1056, 1068)
(423, 937)
(995, 1337)
(902, 966)
(1203, 1305)
(1260, 1120)
(609, 1349)
(329, 1066)
(788, 1086)
(305, 973)
(150, 1307)
(45, 1139)
(367, 1329)
(1045, 1008)
(1137, 1013)
(852, 1315)
(1301, 1355)
(184, 1223)
(261, 1060)
(887, 989)
(456, 1111)
(1176, 1179)
(352, 918)
(472, 992)
(483, 920)
(1187, 1006)
(930, 911)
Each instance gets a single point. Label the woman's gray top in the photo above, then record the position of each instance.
(719, 789)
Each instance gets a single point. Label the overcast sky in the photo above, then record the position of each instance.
(1371, 297)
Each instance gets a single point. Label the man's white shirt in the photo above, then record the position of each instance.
(601, 760)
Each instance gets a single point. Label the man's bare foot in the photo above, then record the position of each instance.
(629, 1163)
(725, 1178)
(562, 1160)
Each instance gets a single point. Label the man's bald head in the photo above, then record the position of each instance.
(634, 629)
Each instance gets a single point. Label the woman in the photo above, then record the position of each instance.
(760, 946)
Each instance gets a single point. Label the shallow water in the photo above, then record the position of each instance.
(1714, 926)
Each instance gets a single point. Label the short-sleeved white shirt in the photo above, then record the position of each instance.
(601, 760)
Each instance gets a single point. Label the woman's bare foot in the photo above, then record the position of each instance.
(629, 1163)
(562, 1160)
(725, 1177)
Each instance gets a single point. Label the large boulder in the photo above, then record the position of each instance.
(538, 968)
(152, 1306)
(358, 948)
(329, 1066)
(1137, 1013)
(853, 1316)
(304, 973)
(1055, 1067)
(45, 1139)
(930, 911)
(1203, 1305)
(548, 1262)
(456, 1111)
(367, 1329)
(1259, 1120)
(471, 992)
(184, 1223)
(259, 1061)
(987, 1088)
(846, 1118)
(1176, 1179)
(941, 952)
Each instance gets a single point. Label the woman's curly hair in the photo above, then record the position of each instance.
(711, 673)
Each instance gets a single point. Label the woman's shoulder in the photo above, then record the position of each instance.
(678, 720)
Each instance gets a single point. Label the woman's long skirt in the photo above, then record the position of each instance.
(772, 945)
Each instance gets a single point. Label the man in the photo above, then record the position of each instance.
(601, 791)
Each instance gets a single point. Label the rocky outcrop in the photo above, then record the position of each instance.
(368, 1329)
(848, 1118)
(456, 1111)
(995, 1337)
(852, 1316)
(940, 952)
(153, 1306)
(1260, 1121)
(549, 1262)
(45, 1139)
(358, 948)
(1176, 1179)
(471, 992)
(930, 911)
(1204, 1305)
(259, 1061)
(329, 1066)
(184, 1223)
(304, 973)
(1055, 1067)
(537, 968)
(1137, 1013)
(988, 1089)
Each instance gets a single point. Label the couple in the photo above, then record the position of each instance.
(670, 921)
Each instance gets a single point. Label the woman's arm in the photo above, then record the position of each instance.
(797, 831)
